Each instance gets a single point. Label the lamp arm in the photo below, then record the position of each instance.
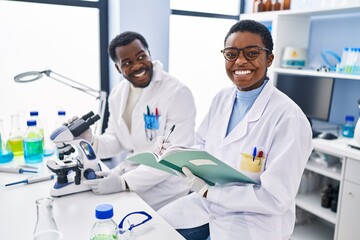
(86, 89)
(102, 104)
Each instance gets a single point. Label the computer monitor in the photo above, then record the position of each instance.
(312, 94)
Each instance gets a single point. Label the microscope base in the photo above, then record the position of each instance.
(69, 189)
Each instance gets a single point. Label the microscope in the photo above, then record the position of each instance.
(76, 160)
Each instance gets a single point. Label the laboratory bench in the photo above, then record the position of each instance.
(74, 214)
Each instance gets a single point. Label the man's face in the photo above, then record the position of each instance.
(134, 62)
(247, 74)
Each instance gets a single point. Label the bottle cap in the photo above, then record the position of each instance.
(350, 118)
(31, 123)
(61, 113)
(34, 113)
(104, 211)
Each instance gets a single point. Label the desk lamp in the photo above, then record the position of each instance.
(98, 94)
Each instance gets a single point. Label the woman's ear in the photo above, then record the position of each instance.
(269, 60)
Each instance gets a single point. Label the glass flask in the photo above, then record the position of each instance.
(45, 228)
(15, 141)
(5, 155)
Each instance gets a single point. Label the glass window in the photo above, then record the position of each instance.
(228, 7)
(36, 37)
(195, 57)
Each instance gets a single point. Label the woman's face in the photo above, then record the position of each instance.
(247, 74)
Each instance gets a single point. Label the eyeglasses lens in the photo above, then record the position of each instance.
(250, 53)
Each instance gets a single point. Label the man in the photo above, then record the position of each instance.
(147, 105)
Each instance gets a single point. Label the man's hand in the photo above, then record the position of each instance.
(110, 183)
(195, 183)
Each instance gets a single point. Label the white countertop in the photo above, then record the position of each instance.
(74, 214)
(338, 147)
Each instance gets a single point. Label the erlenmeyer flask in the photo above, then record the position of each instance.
(15, 142)
(45, 228)
(5, 156)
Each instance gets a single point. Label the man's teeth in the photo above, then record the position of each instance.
(140, 74)
(238, 72)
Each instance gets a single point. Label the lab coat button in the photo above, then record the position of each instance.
(131, 151)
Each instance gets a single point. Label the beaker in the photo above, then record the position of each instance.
(45, 228)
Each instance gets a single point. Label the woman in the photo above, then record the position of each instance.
(257, 130)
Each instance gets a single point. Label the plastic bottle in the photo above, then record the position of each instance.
(45, 228)
(5, 155)
(104, 228)
(15, 141)
(349, 127)
(33, 143)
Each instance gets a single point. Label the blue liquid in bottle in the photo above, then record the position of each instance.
(33, 144)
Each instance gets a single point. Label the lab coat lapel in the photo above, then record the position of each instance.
(123, 129)
(225, 114)
(253, 115)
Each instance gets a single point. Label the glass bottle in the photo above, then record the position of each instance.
(15, 141)
(349, 127)
(34, 115)
(267, 6)
(276, 6)
(61, 119)
(258, 6)
(33, 143)
(45, 228)
(104, 228)
(5, 155)
(286, 4)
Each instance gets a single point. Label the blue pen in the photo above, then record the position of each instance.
(254, 153)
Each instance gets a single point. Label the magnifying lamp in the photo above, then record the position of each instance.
(98, 94)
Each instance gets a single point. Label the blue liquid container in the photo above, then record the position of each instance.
(349, 127)
(33, 143)
(6, 156)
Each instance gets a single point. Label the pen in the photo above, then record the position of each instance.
(148, 110)
(32, 179)
(254, 154)
(171, 130)
(11, 169)
(260, 155)
(156, 113)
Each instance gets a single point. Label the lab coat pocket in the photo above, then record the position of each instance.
(251, 164)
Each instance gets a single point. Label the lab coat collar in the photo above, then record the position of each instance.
(253, 115)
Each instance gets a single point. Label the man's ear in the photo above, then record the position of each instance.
(118, 68)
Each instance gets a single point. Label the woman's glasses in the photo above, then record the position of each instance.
(249, 52)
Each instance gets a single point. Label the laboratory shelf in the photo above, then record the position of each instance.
(314, 230)
(311, 202)
(328, 172)
(306, 72)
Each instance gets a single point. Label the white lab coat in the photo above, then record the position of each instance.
(277, 126)
(175, 105)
